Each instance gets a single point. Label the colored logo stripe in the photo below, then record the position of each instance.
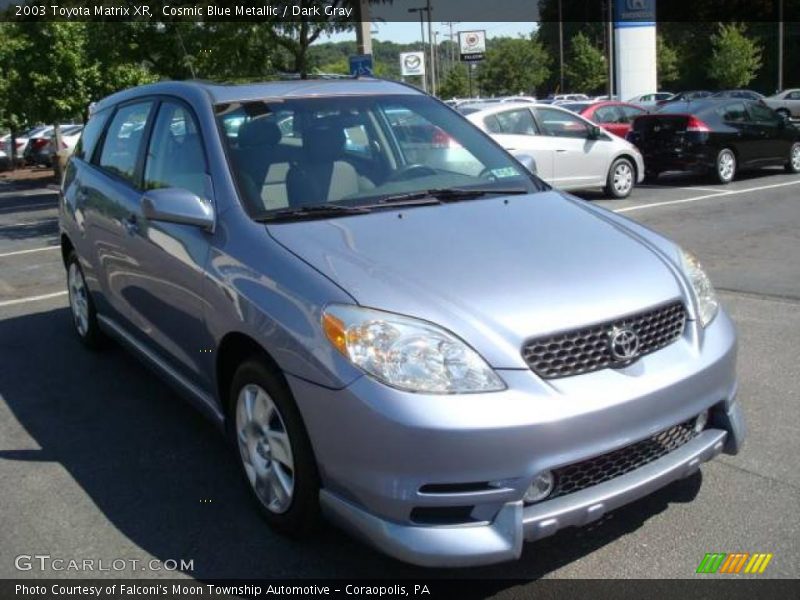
(711, 562)
(721, 562)
(758, 563)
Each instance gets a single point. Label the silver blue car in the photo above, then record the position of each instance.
(397, 324)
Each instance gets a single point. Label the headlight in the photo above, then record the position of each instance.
(407, 353)
(707, 303)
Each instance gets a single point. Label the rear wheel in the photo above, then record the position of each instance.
(725, 166)
(273, 448)
(621, 177)
(793, 165)
(84, 316)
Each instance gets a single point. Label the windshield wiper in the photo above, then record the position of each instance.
(311, 211)
(441, 195)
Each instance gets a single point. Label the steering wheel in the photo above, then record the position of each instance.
(412, 172)
(486, 173)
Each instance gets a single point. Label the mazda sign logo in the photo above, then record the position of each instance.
(413, 62)
(623, 343)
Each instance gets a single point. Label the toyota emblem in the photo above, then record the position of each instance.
(623, 343)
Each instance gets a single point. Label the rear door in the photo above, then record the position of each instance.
(109, 196)
(516, 130)
(579, 161)
(742, 132)
(773, 141)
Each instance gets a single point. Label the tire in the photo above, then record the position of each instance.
(793, 164)
(725, 166)
(620, 179)
(263, 419)
(84, 315)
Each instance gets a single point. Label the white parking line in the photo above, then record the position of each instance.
(32, 299)
(703, 189)
(31, 251)
(705, 196)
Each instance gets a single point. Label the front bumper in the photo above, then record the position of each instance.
(383, 454)
(501, 539)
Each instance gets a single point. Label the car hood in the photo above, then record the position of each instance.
(494, 271)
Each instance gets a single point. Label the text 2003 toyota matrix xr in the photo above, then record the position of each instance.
(421, 341)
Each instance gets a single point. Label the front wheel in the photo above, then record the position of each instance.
(725, 166)
(274, 451)
(620, 180)
(793, 165)
(84, 315)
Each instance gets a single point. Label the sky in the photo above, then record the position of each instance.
(406, 32)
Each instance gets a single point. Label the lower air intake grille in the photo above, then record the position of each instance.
(605, 467)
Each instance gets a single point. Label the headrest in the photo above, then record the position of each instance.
(258, 133)
(323, 142)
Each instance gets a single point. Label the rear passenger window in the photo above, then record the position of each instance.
(123, 140)
(91, 133)
(734, 112)
(175, 157)
(607, 114)
(519, 122)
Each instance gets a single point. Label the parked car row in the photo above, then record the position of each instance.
(36, 146)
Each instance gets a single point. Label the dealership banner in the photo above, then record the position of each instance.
(412, 63)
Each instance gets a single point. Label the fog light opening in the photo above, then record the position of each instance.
(701, 421)
(541, 487)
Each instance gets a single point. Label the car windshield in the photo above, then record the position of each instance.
(575, 107)
(360, 151)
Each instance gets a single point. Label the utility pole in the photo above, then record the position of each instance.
(364, 29)
(433, 48)
(421, 10)
(452, 55)
(610, 50)
(780, 45)
(561, 48)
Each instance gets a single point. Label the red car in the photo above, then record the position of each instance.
(615, 117)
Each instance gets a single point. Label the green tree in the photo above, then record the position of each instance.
(455, 83)
(667, 61)
(513, 66)
(586, 69)
(735, 58)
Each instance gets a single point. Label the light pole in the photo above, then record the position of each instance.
(433, 48)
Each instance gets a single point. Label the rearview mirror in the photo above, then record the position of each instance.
(177, 205)
(527, 161)
(594, 132)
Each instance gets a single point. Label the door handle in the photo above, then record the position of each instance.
(561, 150)
(130, 224)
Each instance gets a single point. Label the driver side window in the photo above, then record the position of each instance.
(175, 157)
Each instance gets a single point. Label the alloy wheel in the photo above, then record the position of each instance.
(726, 165)
(78, 299)
(623, 178)
(796, 157)
(265, 448)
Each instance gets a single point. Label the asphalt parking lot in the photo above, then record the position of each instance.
(99, 459)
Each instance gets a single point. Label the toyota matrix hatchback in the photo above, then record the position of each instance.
(420, 340)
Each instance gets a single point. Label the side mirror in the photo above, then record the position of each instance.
(177, 205)
(527, 161)
(594, 132)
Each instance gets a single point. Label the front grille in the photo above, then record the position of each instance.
(585, 350)
(605, 467)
